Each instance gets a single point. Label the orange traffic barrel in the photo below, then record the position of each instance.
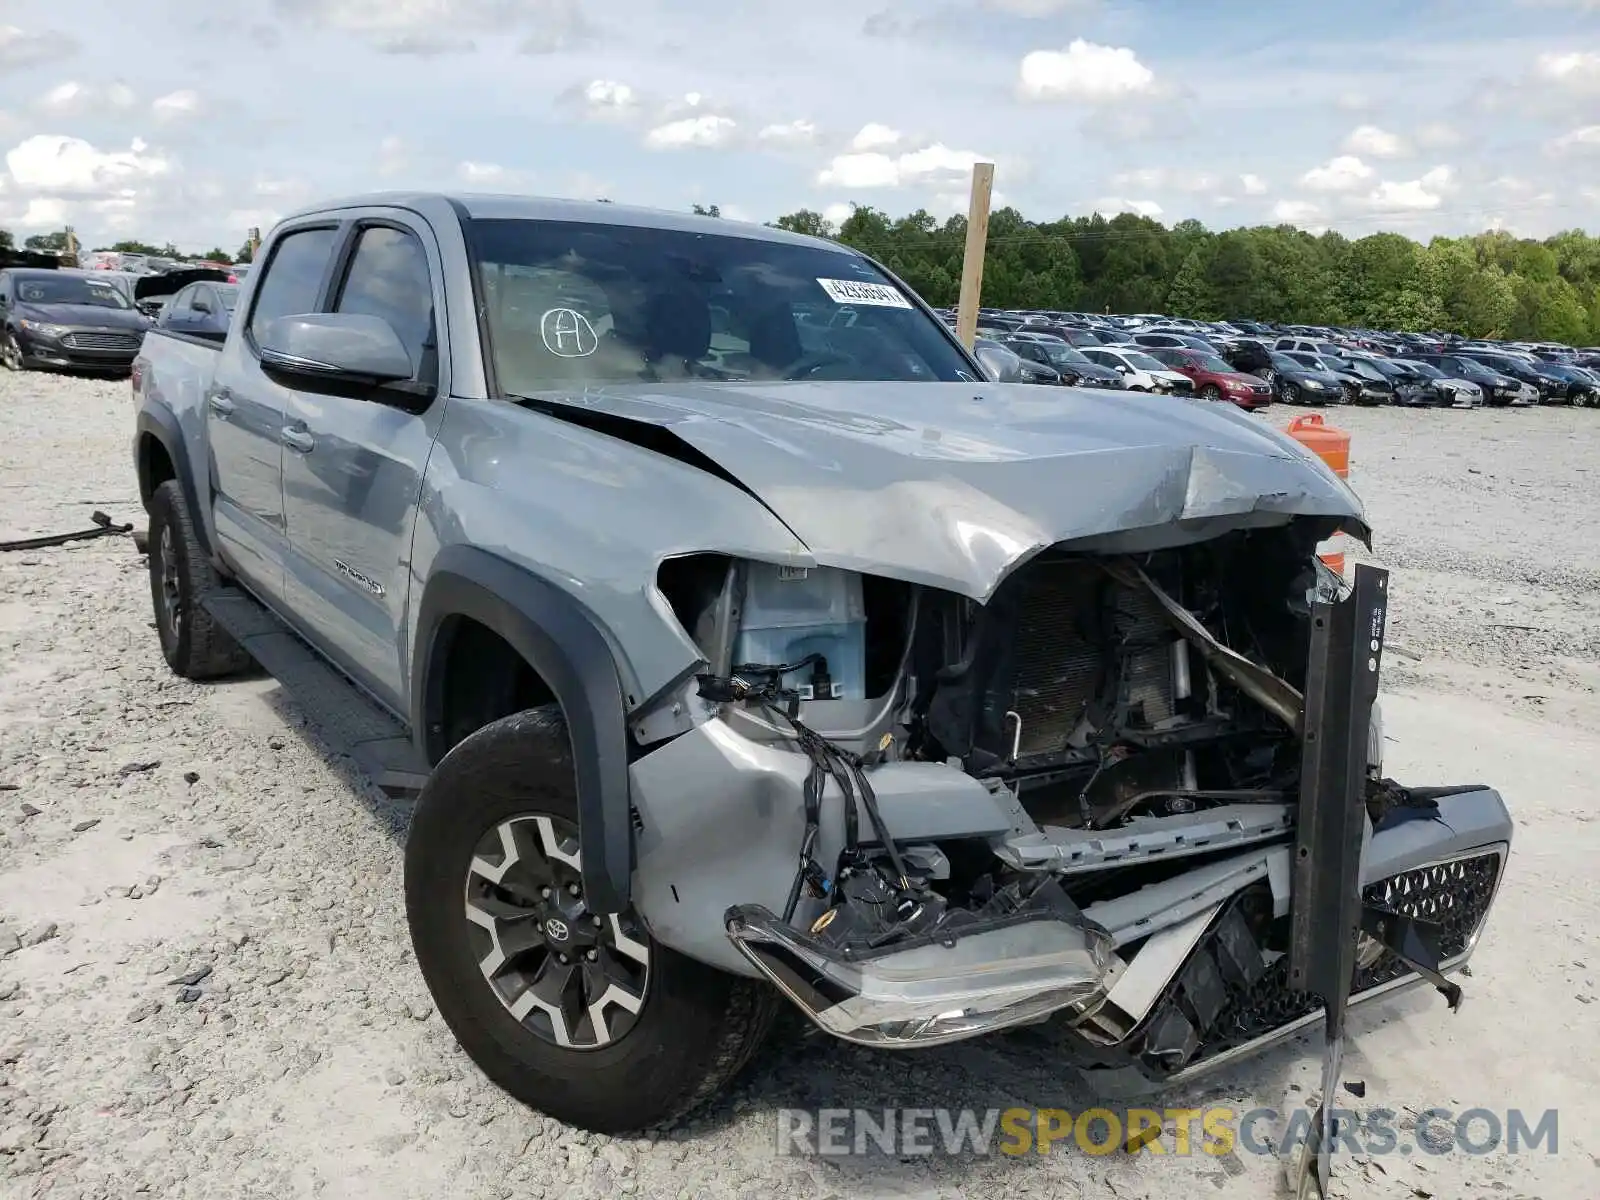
(1332, 446)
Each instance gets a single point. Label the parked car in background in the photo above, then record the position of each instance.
(67, 319)
(1453, 392)
(1167, 340)
(1293, 382)
(201, 309)
(1066, 361)
(1551, 388)
(1140, 372)
(1498, 389)
(1301, 345)
(1213, 378)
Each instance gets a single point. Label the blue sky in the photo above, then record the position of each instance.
(160, 120)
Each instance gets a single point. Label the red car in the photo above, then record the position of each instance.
(1213, 378)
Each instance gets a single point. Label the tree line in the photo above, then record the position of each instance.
(1491, 285)
(57, 242)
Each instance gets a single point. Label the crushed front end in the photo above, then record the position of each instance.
(1081, 803)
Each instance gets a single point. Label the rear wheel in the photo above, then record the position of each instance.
(578, 1014)
(193, 644)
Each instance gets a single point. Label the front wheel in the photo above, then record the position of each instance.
(578, 1014)
(10, 351)
(1211, 392)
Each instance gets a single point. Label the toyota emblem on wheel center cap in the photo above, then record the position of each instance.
(556, 929)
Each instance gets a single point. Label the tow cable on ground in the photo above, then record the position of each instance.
(103, 527)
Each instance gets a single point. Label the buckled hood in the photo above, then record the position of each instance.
(955, 485)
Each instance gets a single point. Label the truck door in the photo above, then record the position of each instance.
(353, 463)
(244, 413)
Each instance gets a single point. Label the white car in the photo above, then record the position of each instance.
(1142, 373)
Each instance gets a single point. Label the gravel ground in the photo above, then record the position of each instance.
(206, 986)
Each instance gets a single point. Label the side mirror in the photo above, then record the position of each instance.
(334, 351)
(201, 306)
(1124, 369)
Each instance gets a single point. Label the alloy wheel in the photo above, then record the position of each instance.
(171, 596)
(571, 977)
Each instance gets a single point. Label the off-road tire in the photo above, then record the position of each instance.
(697, 1027)
(194, 645)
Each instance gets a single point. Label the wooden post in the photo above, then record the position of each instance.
(972, 264)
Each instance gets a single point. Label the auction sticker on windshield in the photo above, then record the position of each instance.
(852, 291)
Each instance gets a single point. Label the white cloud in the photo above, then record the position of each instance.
(479, 172)
(1578, 70)
(74, 99)
(430, 27)
(1375, 143)
(175, 106)
(1340, 174)
(1584, 140)
(837, 214)
(1296, 212)
(1437, 135)
(57, 165)
(873, 136)
(1412, 195)
(1162, 178)
(703, 131)
(45, 213)
(1084, 71)
(790, 133)
(393, 156)
(1036, 8)
(1253, 185)
(1116, 204)
(21, 49)
(604, 100)
(875, 170)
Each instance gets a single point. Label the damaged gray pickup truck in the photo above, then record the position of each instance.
(748, 647)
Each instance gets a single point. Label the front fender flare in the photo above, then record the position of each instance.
(560, 640)
(158, 422)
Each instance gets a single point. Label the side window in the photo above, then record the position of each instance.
(388, 278)
(292, 279)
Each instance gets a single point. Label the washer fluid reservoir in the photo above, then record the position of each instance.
(790, 612)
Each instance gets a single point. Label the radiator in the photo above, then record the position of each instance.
(1070, 615)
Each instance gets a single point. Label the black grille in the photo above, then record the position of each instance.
(92, 340)
(1456, 895)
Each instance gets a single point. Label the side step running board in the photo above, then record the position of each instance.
(349, 721)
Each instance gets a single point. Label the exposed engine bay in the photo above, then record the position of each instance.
(1140, 722)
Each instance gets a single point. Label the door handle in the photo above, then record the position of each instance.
(221, 403)
(297, 439)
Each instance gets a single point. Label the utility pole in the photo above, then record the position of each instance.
(255, 242)
(972, 264)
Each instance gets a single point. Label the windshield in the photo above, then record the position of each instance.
(586, 303)
(1143, 362)
(1427, 370)
(1210, 362)
(70, 289)
(1060, 354)
(228, 293)
(1364, 369)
